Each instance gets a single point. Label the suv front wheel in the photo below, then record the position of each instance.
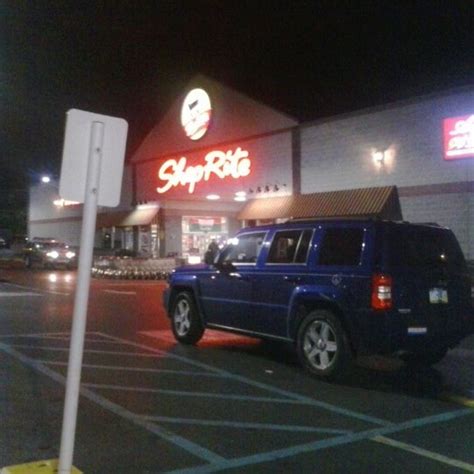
(185, 320)
(322, 345)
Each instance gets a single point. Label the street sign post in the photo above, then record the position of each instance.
(91, 173)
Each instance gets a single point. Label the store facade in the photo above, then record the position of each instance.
(215, 152)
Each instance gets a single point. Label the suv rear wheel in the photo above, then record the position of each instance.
(185, 320)
(322, 345)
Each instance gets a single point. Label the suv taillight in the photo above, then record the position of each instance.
(381, 291)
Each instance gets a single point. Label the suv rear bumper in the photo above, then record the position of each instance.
(388, 333)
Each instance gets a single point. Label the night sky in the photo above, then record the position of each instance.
(309, 59)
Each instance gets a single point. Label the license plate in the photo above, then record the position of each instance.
(438, 296)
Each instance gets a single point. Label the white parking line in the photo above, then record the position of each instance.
(425, 453)
(93, 351)
(29, 288)
(119, 292)
(173, 438)
(18, 293)
(219, 463)
(40, 335)
(188, 393)
(245, 425)
(253, 383)
(136, 369)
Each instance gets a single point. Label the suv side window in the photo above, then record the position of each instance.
(290, 246)
(341, 246)
(245, 248)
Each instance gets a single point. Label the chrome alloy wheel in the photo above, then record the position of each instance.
(320, 345)
(181, 317)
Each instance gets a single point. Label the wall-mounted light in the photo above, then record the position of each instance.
(45, 179)
(240, 193)
(378, 156)
(267, 188)
(276, 188)
(213, 197)
(259, 189)
(240, 198)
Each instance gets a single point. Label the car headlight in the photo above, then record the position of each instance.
(52, 254)
(70, 255)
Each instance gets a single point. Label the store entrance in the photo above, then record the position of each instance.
(199, 232)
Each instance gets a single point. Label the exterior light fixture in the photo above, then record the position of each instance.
(267, 188)
(45, 179)
(276, 188)
(378, 157)
(240, 198)
(213, 197)
(240, 193)
(250, 191)
(259, 189)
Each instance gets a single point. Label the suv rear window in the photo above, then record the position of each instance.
(341, 246)
(418, 246)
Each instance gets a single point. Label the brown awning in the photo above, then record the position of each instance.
(382, 203)
(127, 218)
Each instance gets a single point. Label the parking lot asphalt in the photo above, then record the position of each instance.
(231, 404)
(181, 413)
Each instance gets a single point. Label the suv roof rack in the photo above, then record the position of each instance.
(331, 218)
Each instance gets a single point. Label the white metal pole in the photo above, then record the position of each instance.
(81, 299)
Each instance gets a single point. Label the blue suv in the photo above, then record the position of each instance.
(335, 289)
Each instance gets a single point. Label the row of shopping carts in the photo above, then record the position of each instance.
(133, 268)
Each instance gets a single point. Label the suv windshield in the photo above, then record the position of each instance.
(424, 246)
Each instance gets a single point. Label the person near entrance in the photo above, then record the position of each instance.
(211, 252)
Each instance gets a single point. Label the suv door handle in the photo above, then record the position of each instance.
(292, 279)
(238, 276)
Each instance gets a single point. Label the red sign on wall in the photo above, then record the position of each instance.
(458, 137)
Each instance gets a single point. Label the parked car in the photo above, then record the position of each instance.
(335, 289)
(48, 253)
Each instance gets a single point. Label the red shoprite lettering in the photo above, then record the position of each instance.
(235, 164)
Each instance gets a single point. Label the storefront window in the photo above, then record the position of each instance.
(145, 241)
(127, 238)
(199, 232)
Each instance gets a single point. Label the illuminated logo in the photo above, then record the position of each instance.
(196, 114)
(459, 137)
(234, 164)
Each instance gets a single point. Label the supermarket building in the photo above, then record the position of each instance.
(218, 160)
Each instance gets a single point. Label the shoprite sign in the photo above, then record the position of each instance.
(220, 164)
(458, 137)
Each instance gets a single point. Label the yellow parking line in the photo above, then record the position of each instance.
(424, 452)
(460, 400)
